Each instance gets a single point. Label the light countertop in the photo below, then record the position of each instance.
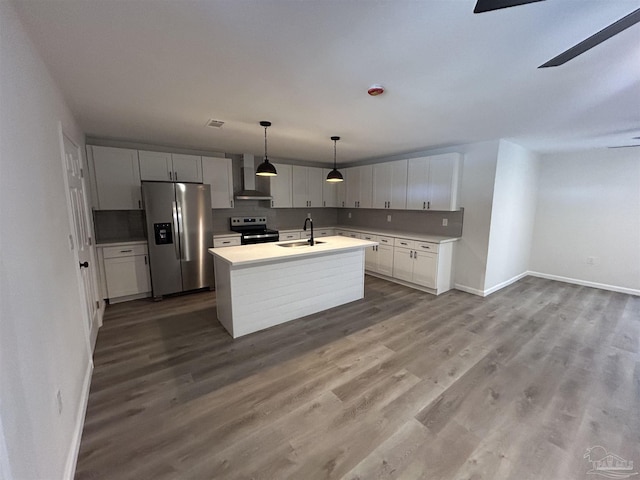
(272, 252)
(225, 233)
(421, 237)
(120, 243)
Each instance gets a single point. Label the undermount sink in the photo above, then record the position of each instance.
(303, 243)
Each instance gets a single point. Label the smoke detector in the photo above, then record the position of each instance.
(214, 123)
(375, 90)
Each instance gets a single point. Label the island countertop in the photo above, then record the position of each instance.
(273, 252)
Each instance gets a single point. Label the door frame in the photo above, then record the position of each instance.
(73, 242)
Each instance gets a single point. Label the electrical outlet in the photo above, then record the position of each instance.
(308, 215)
(349, 214)
(592, 260)
(388, 218)
(59, 401)
(445, 222)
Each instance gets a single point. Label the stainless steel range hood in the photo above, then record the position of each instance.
(249, 191)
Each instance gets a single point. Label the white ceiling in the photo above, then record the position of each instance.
(155, 71)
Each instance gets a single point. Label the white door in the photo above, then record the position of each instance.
(81, 236)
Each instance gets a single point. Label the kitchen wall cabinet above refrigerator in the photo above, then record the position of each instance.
(170, 167)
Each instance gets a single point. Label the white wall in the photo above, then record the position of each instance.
(43, 345)
(589, 206)
(512, 216)
(476, 196)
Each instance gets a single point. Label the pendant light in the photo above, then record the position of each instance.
(266, 169)
(334, 175)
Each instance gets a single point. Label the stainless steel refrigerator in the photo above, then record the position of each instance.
(179, 231)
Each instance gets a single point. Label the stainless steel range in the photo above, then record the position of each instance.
(253, 230)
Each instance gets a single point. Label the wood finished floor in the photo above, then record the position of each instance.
(400, 385)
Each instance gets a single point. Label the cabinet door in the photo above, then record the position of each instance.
(381, 185)
(315, 181)
(341, 191)
(187, 168)
(403, 264)
(366, 186)
(155, 166)
(127, 276)
(300, 186)
(329, 190)
(352, 187)
(418, 183)
(370, 254)
(281, 187)
(117, 178)
(398, 185)
(425, 269)
(218, 173)
(443, 181)
(385, 260)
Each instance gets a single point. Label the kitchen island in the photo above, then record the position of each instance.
(259, 286)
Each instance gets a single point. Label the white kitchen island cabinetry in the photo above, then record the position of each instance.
(116, 178)
(379, 258)
(432, 182)
(259, 286)
(170, 167)
(218, 172)
(126, 271)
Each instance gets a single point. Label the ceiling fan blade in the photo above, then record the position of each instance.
(595, 39)
(490, 5)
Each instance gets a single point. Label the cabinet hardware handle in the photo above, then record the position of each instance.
(424, 205)
(125, 251)
(272, 203)
(175, 176)
(139, 204)
(428, 205)
(145, 259)
(170, 175)
(231, 203)
(410, 254)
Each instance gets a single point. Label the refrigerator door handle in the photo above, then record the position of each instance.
(176, 228)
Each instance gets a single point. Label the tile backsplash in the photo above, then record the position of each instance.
(123, 225)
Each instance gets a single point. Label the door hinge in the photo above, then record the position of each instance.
(97, 304)
(90, 241)
(81, 173)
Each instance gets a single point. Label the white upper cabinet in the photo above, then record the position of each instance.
(329, 190)
(218, 172)
(117, 178)
(359, 186)
(433, 182)
(156, 166)
(170, 167)
(187, 168)
(306, 186)
(390, 185)
(281, 192)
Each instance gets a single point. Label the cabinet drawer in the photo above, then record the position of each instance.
(124, 251)
(404, 243)
(385, 240)
(426, 247)
(323, 232)
(290, 236)
(368, 236)
(226, 242)
(353, 235)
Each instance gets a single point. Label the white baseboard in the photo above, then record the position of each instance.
(464, 288)
(74, 448)
(506, 283)
(603, 286)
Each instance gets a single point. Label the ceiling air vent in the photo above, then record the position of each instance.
(214, 123)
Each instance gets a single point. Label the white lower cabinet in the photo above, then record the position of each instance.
(126, 270)
(379, 258)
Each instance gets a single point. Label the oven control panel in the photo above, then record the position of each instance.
(248, 221)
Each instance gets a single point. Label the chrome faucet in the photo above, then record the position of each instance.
(305, 228)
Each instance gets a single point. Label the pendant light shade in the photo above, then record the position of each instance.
(334, 175)
(266, 169)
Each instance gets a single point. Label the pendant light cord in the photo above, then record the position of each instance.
(334, 154)
(265, 144)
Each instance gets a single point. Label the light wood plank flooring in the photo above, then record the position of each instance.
(400, 385)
